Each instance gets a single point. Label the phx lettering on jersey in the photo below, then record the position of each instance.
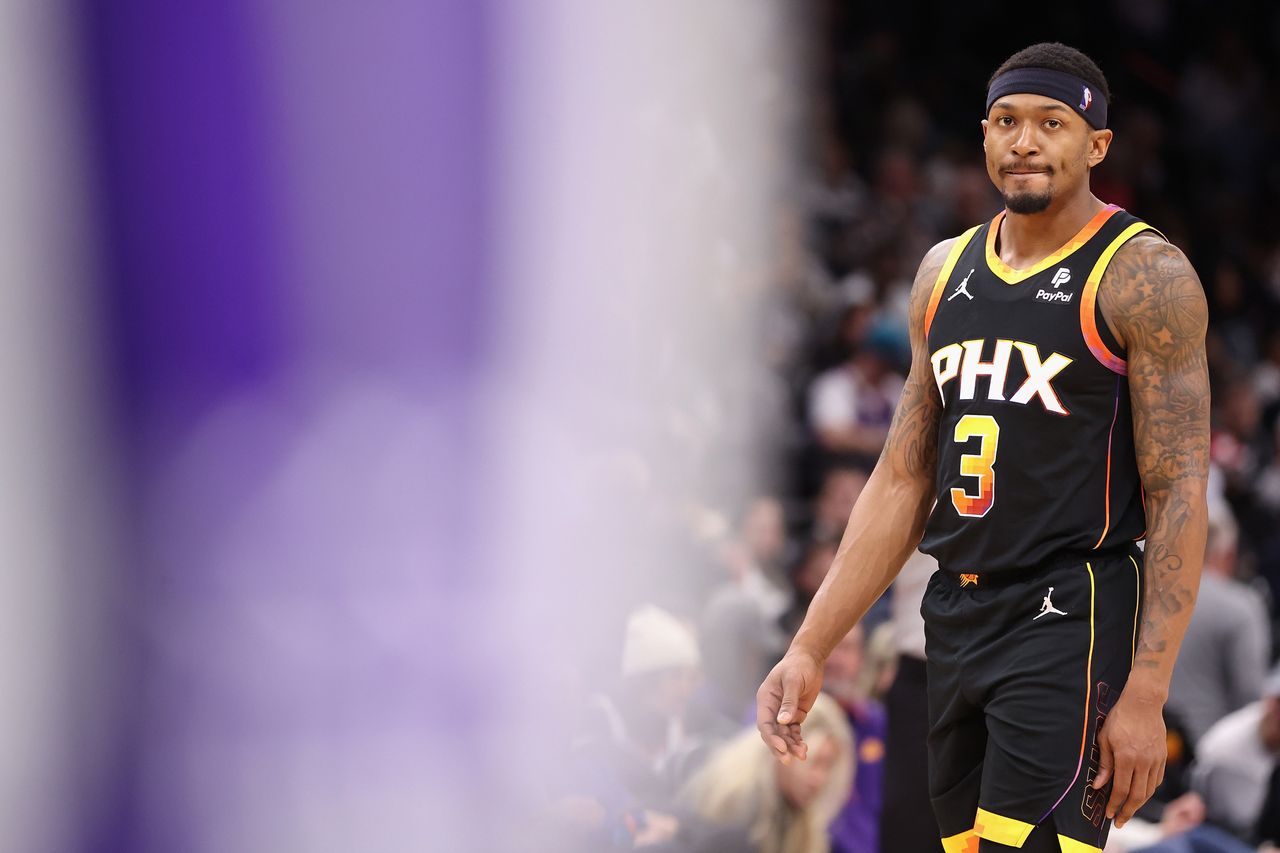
(965, 361)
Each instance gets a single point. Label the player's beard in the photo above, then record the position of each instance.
(1028, 202)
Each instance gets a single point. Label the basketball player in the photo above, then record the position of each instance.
(1057, 411)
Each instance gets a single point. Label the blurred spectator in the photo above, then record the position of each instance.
(810, 572)
(1238, 444)
(739, 644)
(1224, 653)
(1234, 335)
(880, 661)
(834, 194)
(1266, 376)
(907, 821)
(1220, 91)
(850, 682)
(636, 747)
(853, 326)
(840, 490)
(756, 558)
(1241, 449)
(1268, 483)
(1180, 756)
(1236, 759)
(851, 405)
(1181, 829)
(640, 729)
(785, 808)
(764, 531)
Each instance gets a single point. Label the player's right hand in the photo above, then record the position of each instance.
(784, 700)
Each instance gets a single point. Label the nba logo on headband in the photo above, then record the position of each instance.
(1086, 98)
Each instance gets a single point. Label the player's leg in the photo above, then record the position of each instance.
(957, 737)
(1080, 820)
(956, 753)
(1061, 673)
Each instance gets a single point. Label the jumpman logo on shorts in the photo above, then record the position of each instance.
(963, 288)
(1047, 607)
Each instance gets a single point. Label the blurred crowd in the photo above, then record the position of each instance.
(665, 755)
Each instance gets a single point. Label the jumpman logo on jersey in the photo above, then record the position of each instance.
(1047, 607)
(962, 288)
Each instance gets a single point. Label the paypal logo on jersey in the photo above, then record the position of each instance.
(964, 360)
(1060, 277)
(1058, 296)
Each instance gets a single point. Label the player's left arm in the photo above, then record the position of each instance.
(1152, 300)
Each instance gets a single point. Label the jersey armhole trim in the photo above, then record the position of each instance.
(941, 284)
(1089, 300)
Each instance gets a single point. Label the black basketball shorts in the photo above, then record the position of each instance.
(1022, 670)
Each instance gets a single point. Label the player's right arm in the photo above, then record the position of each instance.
(884, 528)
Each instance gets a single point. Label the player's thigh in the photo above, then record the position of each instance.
(1044, 719)
(957, 737)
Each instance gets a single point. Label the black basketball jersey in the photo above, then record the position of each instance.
(1035, 448)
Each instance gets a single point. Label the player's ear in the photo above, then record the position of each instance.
(985, 125)
(1099, 144)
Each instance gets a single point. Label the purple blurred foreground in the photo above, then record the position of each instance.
(353, 354)
(364, 365)
(294, 224)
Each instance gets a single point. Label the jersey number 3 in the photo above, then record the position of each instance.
(979, 465)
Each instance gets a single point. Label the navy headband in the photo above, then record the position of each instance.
(1060, 86)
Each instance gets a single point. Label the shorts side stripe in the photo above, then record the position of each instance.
(1070, 845)
(963, 842)
(1088, 694)
(1001, 829)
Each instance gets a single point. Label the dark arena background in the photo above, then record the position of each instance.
(426, 421)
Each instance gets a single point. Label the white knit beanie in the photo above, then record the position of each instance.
(657, 640)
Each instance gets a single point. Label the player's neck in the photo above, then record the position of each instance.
(1025, 239)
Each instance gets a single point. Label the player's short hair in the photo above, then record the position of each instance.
(1058, 57)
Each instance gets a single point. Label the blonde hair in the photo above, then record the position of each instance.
(738, 786)
(879, 655)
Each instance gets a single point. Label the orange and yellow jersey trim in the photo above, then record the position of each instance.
(940, 285)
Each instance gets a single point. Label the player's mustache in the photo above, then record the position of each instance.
(1026, 167)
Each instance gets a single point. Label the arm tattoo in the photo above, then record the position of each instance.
(912, 444)
(1154, 302)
